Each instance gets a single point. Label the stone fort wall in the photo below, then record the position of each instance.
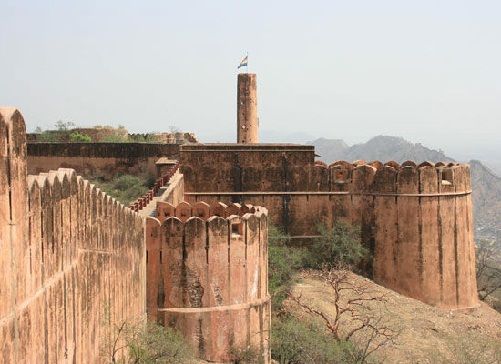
(207, 265)
(417, 220)
(76, 265)
(99, 159)
(70, 256)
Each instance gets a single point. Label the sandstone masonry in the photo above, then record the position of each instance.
(247, 116)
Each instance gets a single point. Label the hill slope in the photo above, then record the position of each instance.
(426, 334)
(486, 185)
(487, 200)
(383, 148)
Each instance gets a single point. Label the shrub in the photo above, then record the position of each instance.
(77, 137)
(140, 342)
(156, 344)
(340, 245)
(294, 342)
(50, 136)
(248, 354)
(124, 188)
(284, 262)
(115, 139)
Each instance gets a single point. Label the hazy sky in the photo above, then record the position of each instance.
(429, 71)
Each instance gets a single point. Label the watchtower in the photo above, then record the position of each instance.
(247, 119)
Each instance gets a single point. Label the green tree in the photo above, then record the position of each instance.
(77, 137)
(284, 262)
(340, 244)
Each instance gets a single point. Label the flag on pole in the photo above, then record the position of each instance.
(243, 62)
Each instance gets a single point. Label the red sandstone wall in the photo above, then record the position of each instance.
(99, 159)
(417, 220)
(207, 276)
(247, 116)
(70, 257)
(244, 167)
(424, 237)
(104, 167)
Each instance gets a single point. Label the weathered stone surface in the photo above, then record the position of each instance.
(415, 219)
(98, 159)
(247, 116)
(68, 250)
(69, 260)
(212, 281)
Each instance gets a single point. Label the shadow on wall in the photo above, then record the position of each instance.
(68, 251)
(208, 276)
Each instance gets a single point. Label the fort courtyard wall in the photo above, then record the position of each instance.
(99, 159)
(70, 256)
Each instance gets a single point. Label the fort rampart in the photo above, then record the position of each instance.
(76, 265)
(70, 256)
(99, 159)
(162, 181)
(416, 219)
(206, 265)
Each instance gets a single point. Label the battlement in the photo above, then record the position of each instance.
(202, 263)
(67, 252)
(391, 178)
(207, 276)
(415, 218)
(184, 210)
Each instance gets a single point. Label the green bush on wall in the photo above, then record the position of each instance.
(77, 137)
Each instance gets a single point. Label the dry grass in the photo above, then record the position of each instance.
(427, 334)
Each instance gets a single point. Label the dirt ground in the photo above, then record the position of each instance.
(425, 334)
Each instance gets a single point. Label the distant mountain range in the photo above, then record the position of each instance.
(486, 184)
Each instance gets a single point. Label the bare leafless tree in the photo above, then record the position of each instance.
(350, 317)
(488, 268)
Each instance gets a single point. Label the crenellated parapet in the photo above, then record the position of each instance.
(415, 218)
(418, 221)
(207, 275)
(69, 257)
(86, 251)
(359, 176)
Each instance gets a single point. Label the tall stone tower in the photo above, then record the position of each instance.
(247, 119)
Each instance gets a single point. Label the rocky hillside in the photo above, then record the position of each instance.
(487, 200)
(486, 185)
(426, 334)
(383, 148)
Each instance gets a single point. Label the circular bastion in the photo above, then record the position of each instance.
(207, 276)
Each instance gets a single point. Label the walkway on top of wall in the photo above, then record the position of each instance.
(163, 195)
